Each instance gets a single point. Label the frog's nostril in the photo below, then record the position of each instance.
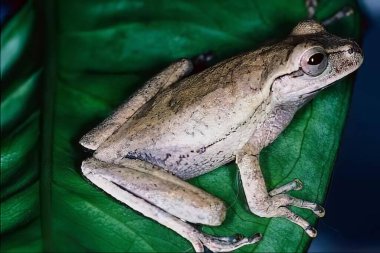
(354, 48)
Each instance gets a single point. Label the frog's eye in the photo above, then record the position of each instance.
(314, 61)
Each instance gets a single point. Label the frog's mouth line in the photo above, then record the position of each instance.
(297, 72)
(319, 89)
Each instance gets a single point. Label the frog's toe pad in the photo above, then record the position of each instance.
(319, 211)
(312, 232)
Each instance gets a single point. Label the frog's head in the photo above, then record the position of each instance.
(315, 59)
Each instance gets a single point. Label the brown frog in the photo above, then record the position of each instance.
(179, 126)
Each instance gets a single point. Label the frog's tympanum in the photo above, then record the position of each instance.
(179, 126)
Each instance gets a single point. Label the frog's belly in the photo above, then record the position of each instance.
(186, 152)
(187, 162)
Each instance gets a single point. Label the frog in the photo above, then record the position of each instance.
(181, 125)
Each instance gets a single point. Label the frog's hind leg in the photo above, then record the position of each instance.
(311, 6)
(167, 77)
(166, 199)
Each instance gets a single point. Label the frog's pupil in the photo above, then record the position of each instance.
(316, 59)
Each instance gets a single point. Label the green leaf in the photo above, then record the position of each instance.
(15, 36)
(20, 128)
(99, 53)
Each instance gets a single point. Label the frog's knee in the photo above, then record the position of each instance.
(216, 215)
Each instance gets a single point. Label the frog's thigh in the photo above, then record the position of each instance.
(165, 199)
(167, 77)
(158, 188)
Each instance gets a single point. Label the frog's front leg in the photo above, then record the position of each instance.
(165, 198)
(167, 77)
(274, 203)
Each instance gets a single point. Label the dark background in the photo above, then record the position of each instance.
(352, 221)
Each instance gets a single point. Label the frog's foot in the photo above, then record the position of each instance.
(201, 62)
(344, 12)
(276, 205)
(230, 243)
(311, 6)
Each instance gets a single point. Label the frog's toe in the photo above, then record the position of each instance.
(311, 6)
(312, 232)
(294, 185)
(205, 57)
(230, 243)
(276, 205)
(281, 199)
(286, 200)
(201, 62)
(284, 212)
(319, 211)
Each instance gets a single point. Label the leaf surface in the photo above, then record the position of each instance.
(105, 51)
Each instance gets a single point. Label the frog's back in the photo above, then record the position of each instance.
(186, 128)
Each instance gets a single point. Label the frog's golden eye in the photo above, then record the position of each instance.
(314, 61)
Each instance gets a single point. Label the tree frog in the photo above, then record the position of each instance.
(179, 126)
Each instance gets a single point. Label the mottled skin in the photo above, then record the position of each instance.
(181, 129)
(190, 126)
(176, 129)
